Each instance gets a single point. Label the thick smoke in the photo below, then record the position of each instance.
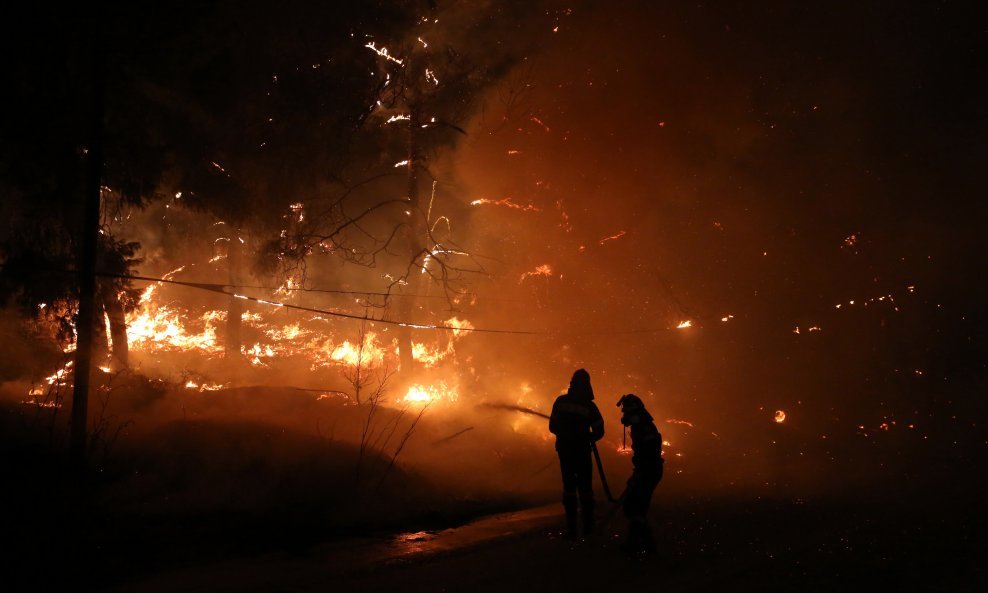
(624, 171)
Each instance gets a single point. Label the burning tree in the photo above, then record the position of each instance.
(426, 86)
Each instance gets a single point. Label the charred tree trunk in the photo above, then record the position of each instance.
(235, 308)
(87, 263)
(118, 329)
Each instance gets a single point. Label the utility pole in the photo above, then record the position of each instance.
(87, 261)
(406, 306)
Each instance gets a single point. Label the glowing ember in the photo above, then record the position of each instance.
(190, 384)
(539, 122)
(543, 270)
(57, 379)
(507, 203)
(780, 416)
(617, 235)
(683, 422)
(383, 52)
(684, 324)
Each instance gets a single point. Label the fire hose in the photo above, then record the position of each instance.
(593, 446)
(603, 478)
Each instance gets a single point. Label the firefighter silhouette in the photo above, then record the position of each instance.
(646, 447)
(577, 424)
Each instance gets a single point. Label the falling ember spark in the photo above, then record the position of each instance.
(424, 44)
(395, 118)
(814, 328)
(400, 164)
(507, 203)
(684, 324)
(612, 237)
(513, 152)
(171, 274)
(383, 52)
(272, 303)
(780, 416)
(431, 76)
(683, 422)
(727, 318)
(543, 270)
(192, 385)
(42, 404)
(539, 121)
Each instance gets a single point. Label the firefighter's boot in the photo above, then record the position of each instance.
(570, 504)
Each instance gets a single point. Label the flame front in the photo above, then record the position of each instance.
(428, 394)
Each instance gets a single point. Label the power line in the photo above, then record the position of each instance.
(220, 289)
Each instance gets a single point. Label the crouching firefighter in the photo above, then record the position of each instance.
(577, 424)
(646, 446)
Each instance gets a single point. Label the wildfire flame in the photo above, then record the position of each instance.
(543, 270)
(440, 391)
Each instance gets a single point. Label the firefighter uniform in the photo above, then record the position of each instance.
(577, 424)
(646, 446)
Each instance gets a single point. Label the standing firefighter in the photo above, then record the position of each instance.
(577, 424)
(646, 445)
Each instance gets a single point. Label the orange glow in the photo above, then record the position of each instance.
(427, 394)
(780, 416)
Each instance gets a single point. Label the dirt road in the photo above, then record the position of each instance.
(703, 546)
